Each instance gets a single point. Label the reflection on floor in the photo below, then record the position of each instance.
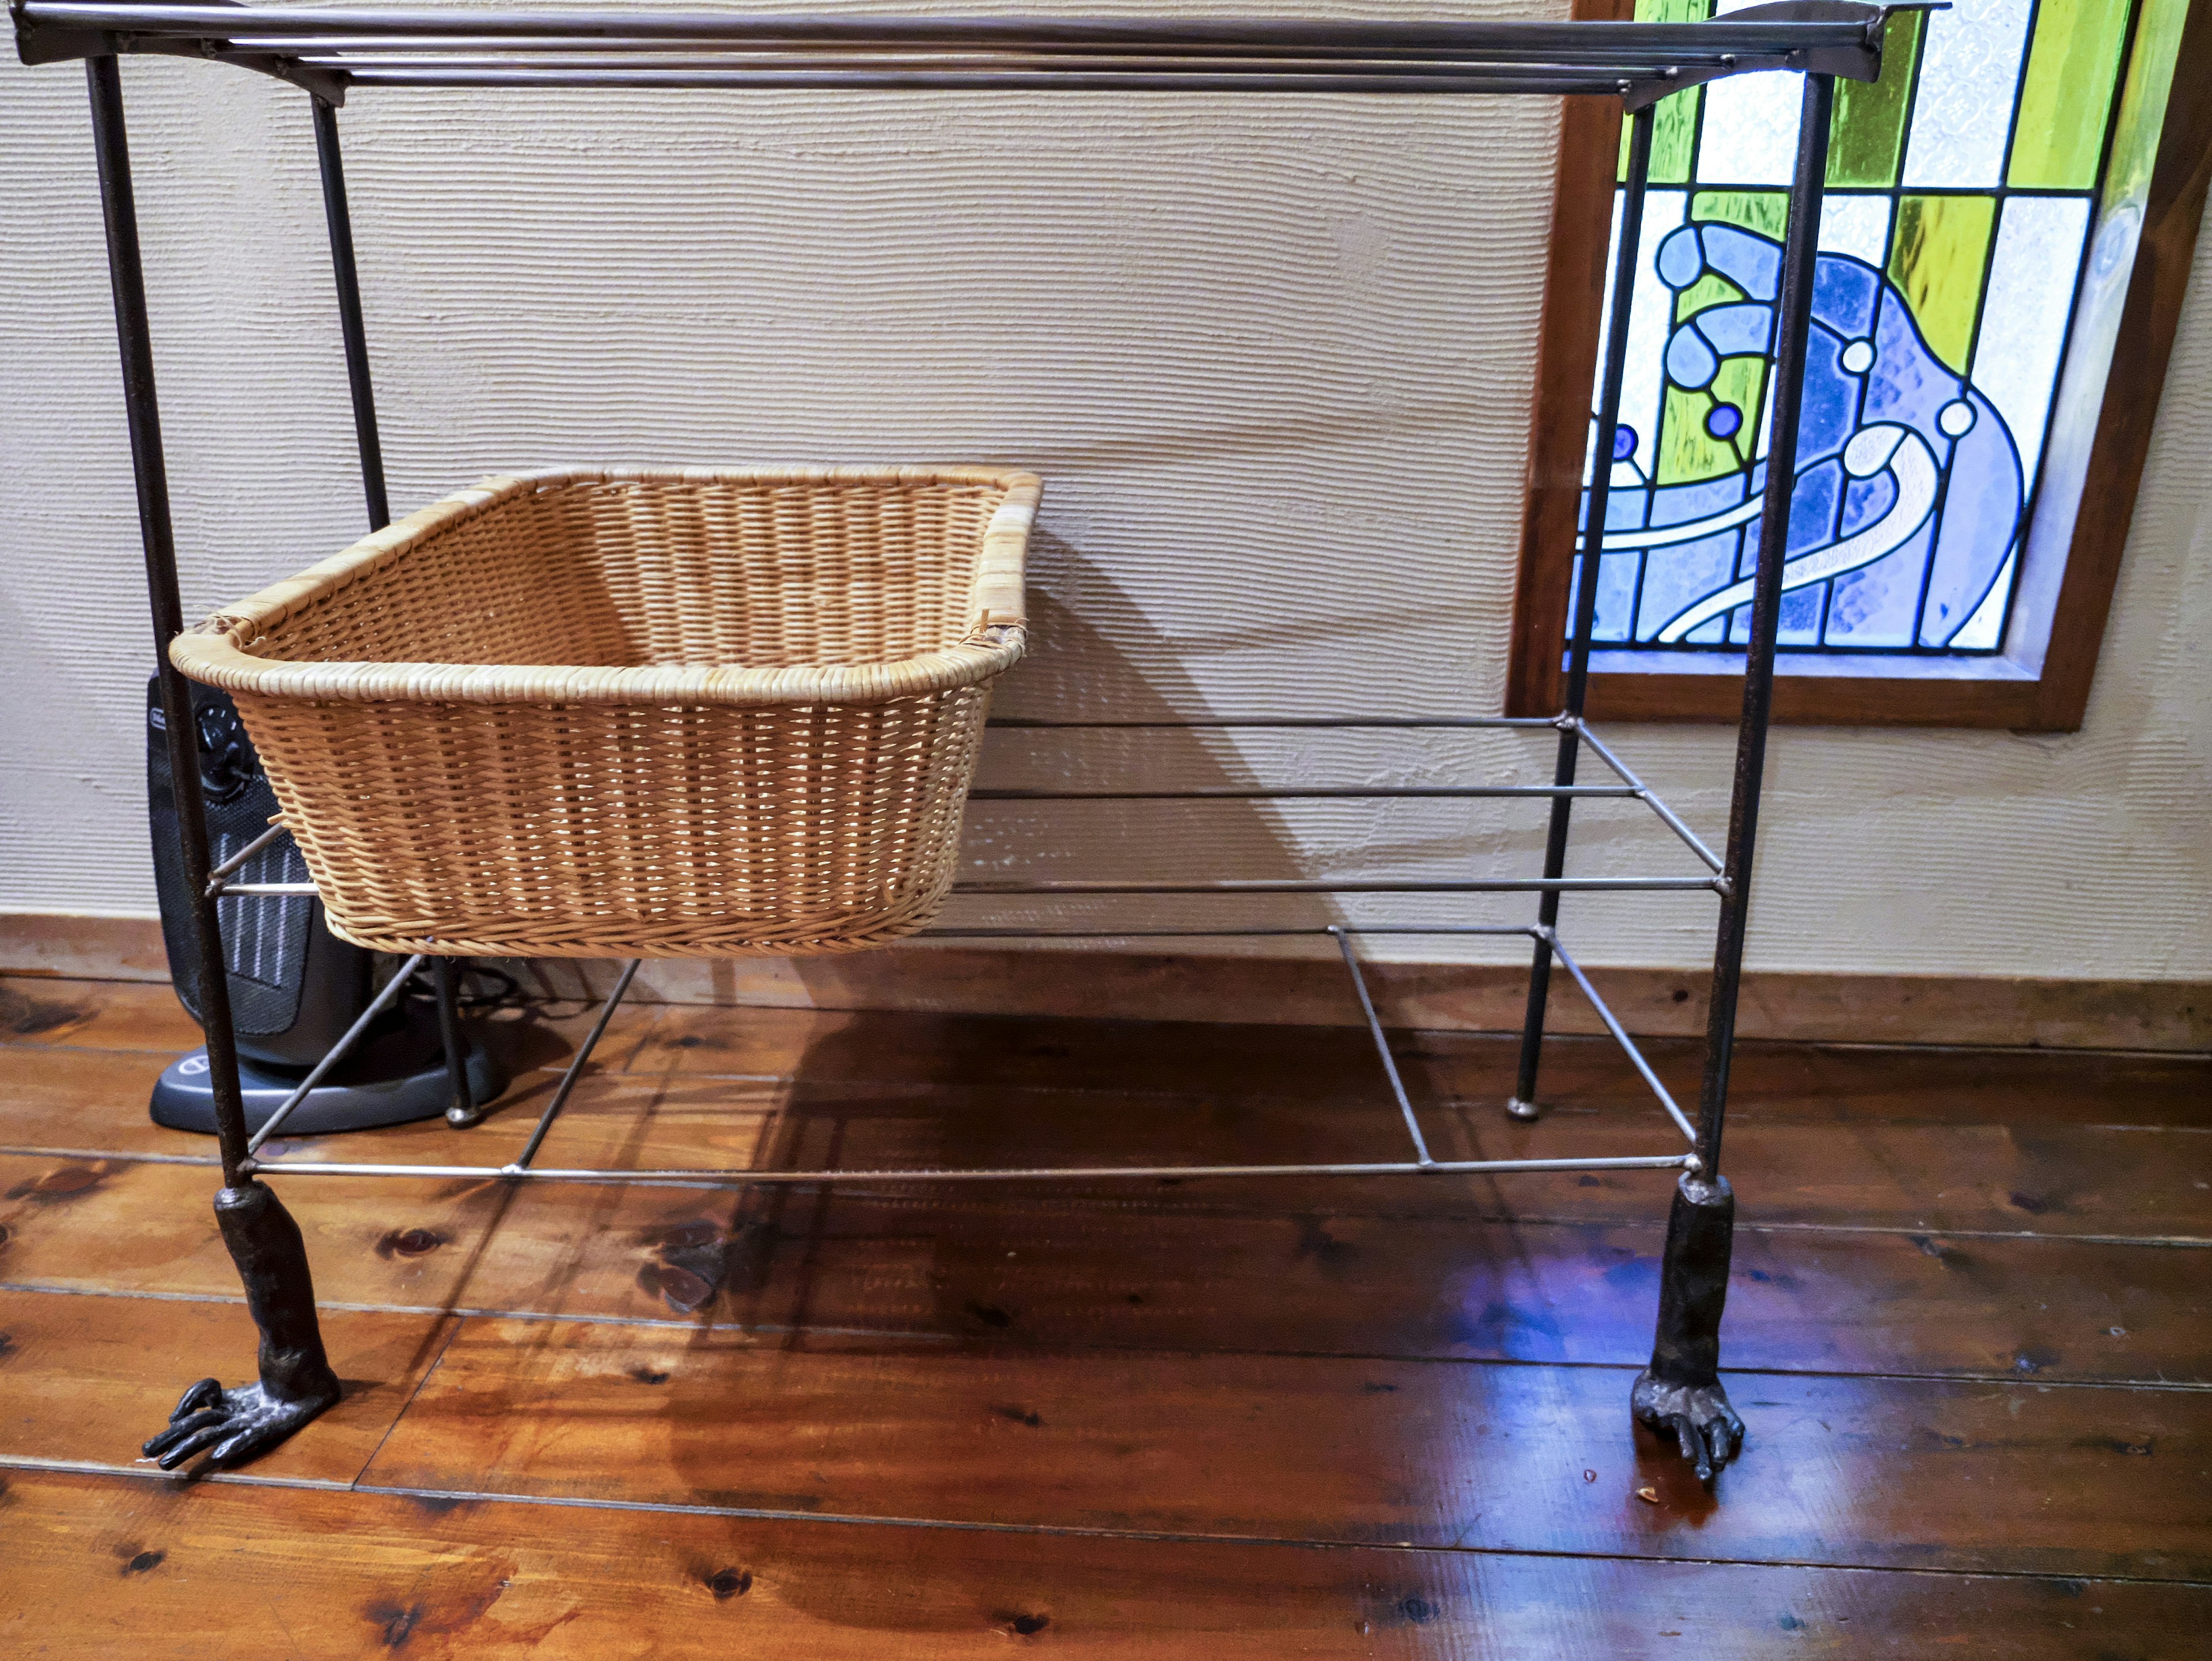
(1207, 1418)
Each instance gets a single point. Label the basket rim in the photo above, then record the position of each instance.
(214, 652)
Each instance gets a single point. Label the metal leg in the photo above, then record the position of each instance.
(340, 219)
(1680, 1393)
(464, 1111)
(1522, 1104)
(296, 1382)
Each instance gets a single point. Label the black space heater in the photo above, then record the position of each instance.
(295, 988)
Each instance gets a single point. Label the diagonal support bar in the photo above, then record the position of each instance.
(576, 1065)
(216, 885)
(1382, 1047)
(335, 1054)
(1651, 798)
(1628, 1044)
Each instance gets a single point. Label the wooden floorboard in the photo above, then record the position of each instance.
(2018, 1478)
(85, 1379)
(1798, 1082)
(1374, 1418)
(1801, 1083)
(1055, 1270)
(136, 1564)
(2143, 1181)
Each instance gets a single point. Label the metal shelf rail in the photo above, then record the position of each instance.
(330, 50)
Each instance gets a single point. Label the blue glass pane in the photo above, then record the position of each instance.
(1909, 485)
(1873, 606)
(1799, 624)
(1616, 591)
(1981, 507)
(1671, 586)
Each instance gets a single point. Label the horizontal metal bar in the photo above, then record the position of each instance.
(345, 44)
(1318, 932)
(346, 49)
(1351, 886)
(1043, 1173)
(656, 58)
(1651, 798)
(216, 876)
(1325, 793)
(1289, 723)
(926, 80)
(1621, 1036)
(1246, 885)
(1516, 40)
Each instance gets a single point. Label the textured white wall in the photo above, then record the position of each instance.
(1273, 359)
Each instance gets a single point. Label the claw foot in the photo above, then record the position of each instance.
(1697, 1416)
(233, 1425)
(296, 1382)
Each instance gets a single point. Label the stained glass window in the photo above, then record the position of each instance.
(1962, 187)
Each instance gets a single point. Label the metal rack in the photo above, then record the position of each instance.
(329, 51)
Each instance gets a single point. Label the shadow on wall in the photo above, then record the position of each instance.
(1098, 652)
(1097, 655)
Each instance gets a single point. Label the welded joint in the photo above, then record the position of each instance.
(215, 886)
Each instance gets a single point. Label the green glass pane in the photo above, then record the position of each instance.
(1674, 136)
(1674, 120)
(1711, 289)
(1936, 258)
(2072, 64)
(1766, 212)
(1741, 383)
(1687, 452)
(1867, 138)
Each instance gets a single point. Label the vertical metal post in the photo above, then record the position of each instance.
(127, 278)
(1793, 324)
(461, 1111)
(330, 161)
(350, 319)
(1522, 1104)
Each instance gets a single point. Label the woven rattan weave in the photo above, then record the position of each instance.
(638, 713)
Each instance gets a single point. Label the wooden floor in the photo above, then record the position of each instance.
(1269, 1419)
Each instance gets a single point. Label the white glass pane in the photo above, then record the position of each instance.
(1750, 131)
(1857, 226)
(2031, 293)
(1604, 333)
(1962, 108)
(1979, 632)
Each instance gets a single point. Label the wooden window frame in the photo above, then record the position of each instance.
(2048, 697)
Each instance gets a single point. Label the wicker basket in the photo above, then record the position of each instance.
(638, 713)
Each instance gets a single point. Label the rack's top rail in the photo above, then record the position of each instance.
(329, 48)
